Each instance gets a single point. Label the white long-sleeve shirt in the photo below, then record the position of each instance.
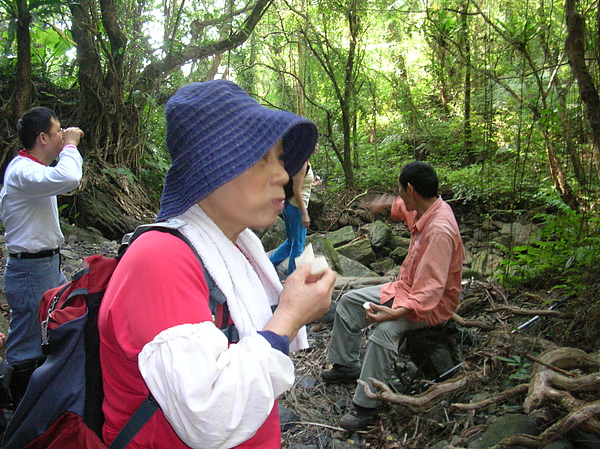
(28, 206)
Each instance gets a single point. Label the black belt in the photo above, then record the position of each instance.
(38, 255)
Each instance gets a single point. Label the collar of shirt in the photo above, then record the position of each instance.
(422, 221)
(23, 153)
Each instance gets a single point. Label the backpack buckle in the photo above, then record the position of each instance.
(45, 339)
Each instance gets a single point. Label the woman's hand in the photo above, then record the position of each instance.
(306, 220)
(305, 298)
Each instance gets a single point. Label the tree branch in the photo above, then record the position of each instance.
(157, 71)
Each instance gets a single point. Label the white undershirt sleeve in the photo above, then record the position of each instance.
(214, 395)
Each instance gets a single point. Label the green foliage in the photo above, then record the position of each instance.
(156, 161)
(49, 55)
(49, 42)
(119, 173)
(522, 368)
(568, 249)
(493, 184)
(154, 166)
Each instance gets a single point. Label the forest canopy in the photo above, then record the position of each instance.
(500, 95)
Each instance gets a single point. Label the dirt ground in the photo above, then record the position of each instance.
(502, 361)
(316, 408)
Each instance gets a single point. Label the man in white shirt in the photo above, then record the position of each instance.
(29, 212)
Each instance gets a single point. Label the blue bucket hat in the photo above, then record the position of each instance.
(215, 132)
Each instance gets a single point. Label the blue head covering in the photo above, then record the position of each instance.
(215, 132)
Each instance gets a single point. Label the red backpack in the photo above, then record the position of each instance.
(62, 407)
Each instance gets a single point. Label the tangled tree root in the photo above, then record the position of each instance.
(561, 377)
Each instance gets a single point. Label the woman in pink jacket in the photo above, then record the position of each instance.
(230, 160)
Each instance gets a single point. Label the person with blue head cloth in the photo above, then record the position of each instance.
(230, 160)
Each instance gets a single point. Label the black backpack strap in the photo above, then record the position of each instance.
(141, 416)
(216, 296)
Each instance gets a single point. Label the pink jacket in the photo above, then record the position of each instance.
(159, 284)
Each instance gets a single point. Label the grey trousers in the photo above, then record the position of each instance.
(382, 348)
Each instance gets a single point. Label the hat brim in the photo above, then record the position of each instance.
(215, 132)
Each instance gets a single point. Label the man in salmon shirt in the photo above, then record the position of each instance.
(425, 294)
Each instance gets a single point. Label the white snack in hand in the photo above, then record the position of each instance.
(307, 256)
(367, 305)
(317, 263)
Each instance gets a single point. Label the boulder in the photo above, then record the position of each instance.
(517, 234)
(399, 254)
(323, 246)
(352, 268)
(502, 427)
(485, 265)
(383, 266)
(359, 250)
(379, 233)
(316, 206)
(341, 236)
(273, 236)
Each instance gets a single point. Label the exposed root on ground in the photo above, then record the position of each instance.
(562, 378)
(417, 403)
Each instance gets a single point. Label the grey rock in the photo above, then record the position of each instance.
(287, 417)
(399, 254)
(379, 233)
(359, 250)
(322, 245)
(486, 264)
(503, 427)
(341, 236)
(583, 440)
(339, 444)
(383, 266)
(520, 234)
(397, 241)
(307, 382)
(274, 236)
(351, 268)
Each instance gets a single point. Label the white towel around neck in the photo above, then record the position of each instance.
(243, 272)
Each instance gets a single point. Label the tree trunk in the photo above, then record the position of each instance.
(575, 49)
(467, 131)
(114, 133)
(21, 99)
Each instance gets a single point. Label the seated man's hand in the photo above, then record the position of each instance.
(378, 313)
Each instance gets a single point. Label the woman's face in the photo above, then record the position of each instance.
(252, 199)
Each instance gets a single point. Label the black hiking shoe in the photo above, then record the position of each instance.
(340, 374)
(359, 417)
